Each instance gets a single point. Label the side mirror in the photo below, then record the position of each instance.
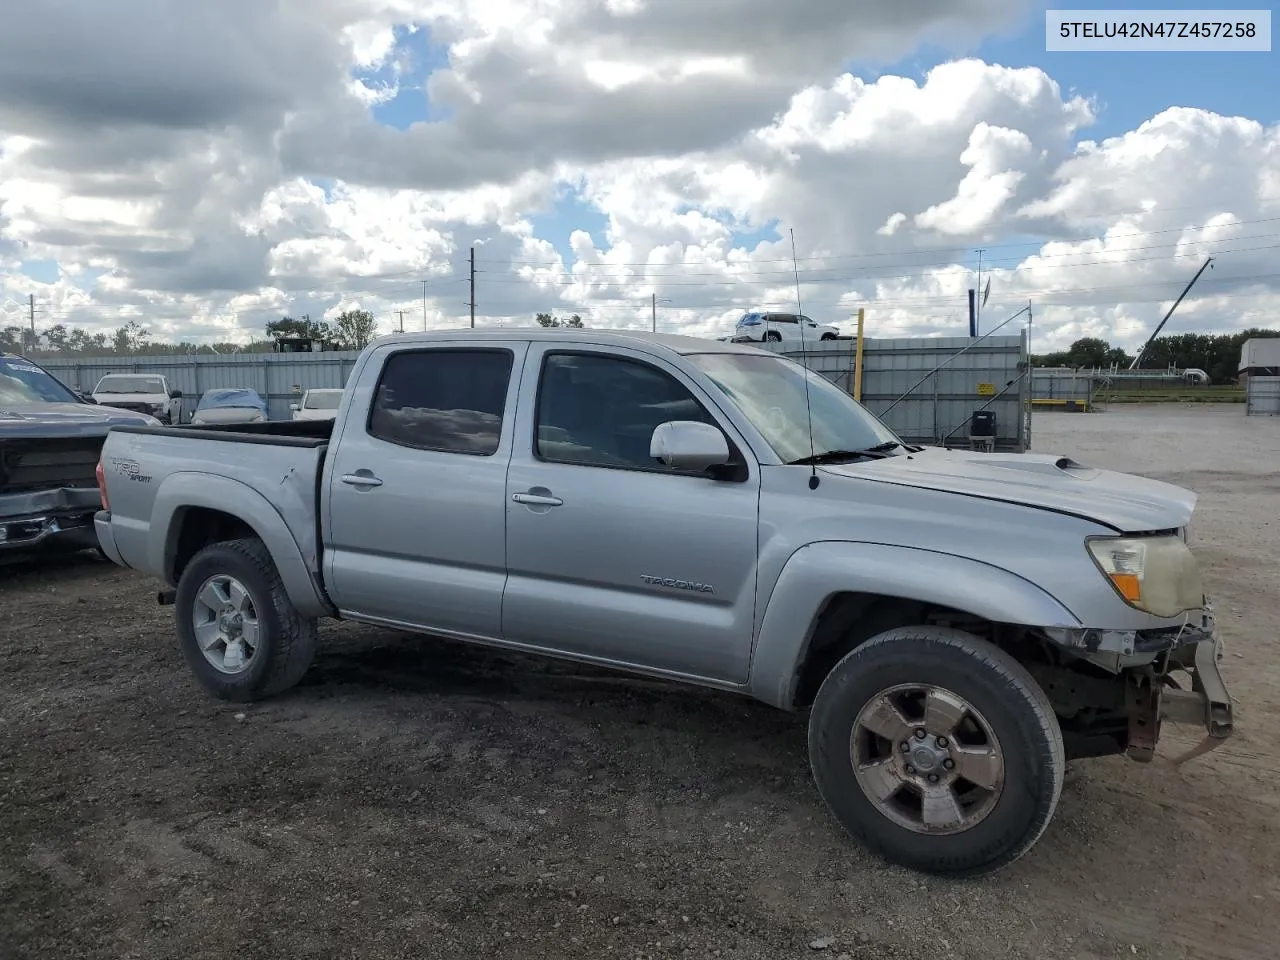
(294, 407)
(85, 397)
(689, 445)
(175, 394)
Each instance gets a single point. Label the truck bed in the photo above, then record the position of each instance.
(269, 473)
(304, 433)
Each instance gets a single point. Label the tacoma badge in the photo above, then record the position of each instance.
(678, 584)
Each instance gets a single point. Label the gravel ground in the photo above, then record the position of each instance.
(415, 798)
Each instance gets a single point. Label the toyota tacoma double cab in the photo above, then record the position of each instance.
(955, 625)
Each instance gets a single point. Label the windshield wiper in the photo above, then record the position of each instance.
(879, 451)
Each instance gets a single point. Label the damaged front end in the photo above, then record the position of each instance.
(1139, 679)
(48, 494)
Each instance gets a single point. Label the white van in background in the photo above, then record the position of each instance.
(318, 404)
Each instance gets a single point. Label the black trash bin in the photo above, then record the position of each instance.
(982, 423)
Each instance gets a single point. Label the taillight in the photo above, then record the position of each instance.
(102, 485)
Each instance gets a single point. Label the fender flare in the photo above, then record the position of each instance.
(181, 491)
(818, 571)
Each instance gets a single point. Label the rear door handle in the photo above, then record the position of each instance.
(537, 499)
(361, 480)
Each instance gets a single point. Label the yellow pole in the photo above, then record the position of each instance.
(857, 362)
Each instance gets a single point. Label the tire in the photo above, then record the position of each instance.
(827, 336)
(286, 640)
(1023, 730)
(774, 336)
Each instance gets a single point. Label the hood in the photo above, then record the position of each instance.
(65, 419)
(1122, 501)
(227, 415)
(156, 398)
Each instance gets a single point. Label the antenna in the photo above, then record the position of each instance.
(804, 362)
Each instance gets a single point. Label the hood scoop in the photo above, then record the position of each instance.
(1031, 463)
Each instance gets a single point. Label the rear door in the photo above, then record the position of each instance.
(415, 511)
(784, 325)
(610, 555)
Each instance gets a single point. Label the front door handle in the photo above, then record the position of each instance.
(361, 480)
(537, 499)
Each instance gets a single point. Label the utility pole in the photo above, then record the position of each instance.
(424, 309)
(402, 313)
(977, 317)
(654, 306)
(472, 302)
(31, 312)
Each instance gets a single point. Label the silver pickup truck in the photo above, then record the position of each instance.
(957, 625)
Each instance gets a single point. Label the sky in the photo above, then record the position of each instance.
(202, 169)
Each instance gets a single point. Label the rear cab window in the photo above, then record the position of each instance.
(445, 399)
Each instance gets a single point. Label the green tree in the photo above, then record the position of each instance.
(131, 338)
(1088, 352)
(353, 329)
(547, 320)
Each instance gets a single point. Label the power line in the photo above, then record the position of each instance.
(958, 251)
(840, 276)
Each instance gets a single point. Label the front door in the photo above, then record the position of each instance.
(610, 555)
(416, 525)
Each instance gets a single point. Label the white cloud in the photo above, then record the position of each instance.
(204, 170)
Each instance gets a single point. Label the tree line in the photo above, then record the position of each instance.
(350, 330)
(1217, 354)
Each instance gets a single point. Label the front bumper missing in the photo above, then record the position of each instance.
(1156, 696)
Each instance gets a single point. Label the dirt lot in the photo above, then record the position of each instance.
(420, 799)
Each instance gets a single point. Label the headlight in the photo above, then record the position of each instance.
(1158, 575)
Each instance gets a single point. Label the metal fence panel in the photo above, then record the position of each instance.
(1068, 386)
(279, 377)
(1262, 397)
(988, 376)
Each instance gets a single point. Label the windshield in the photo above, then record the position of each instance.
(114, 384)
(229, 398)
(21, 381)
(769, 390)
(322, 399)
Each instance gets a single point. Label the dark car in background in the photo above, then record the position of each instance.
(50, 440)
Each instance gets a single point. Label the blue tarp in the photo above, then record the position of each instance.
(232, 397)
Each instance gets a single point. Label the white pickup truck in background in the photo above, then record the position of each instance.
(147, 393)
(318, 403)
(956, 625)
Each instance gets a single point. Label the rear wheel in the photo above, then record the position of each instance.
(238, 630)
(773, 335)
(937, 750)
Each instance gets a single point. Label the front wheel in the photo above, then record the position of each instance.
(238, 630)
(937, 750)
